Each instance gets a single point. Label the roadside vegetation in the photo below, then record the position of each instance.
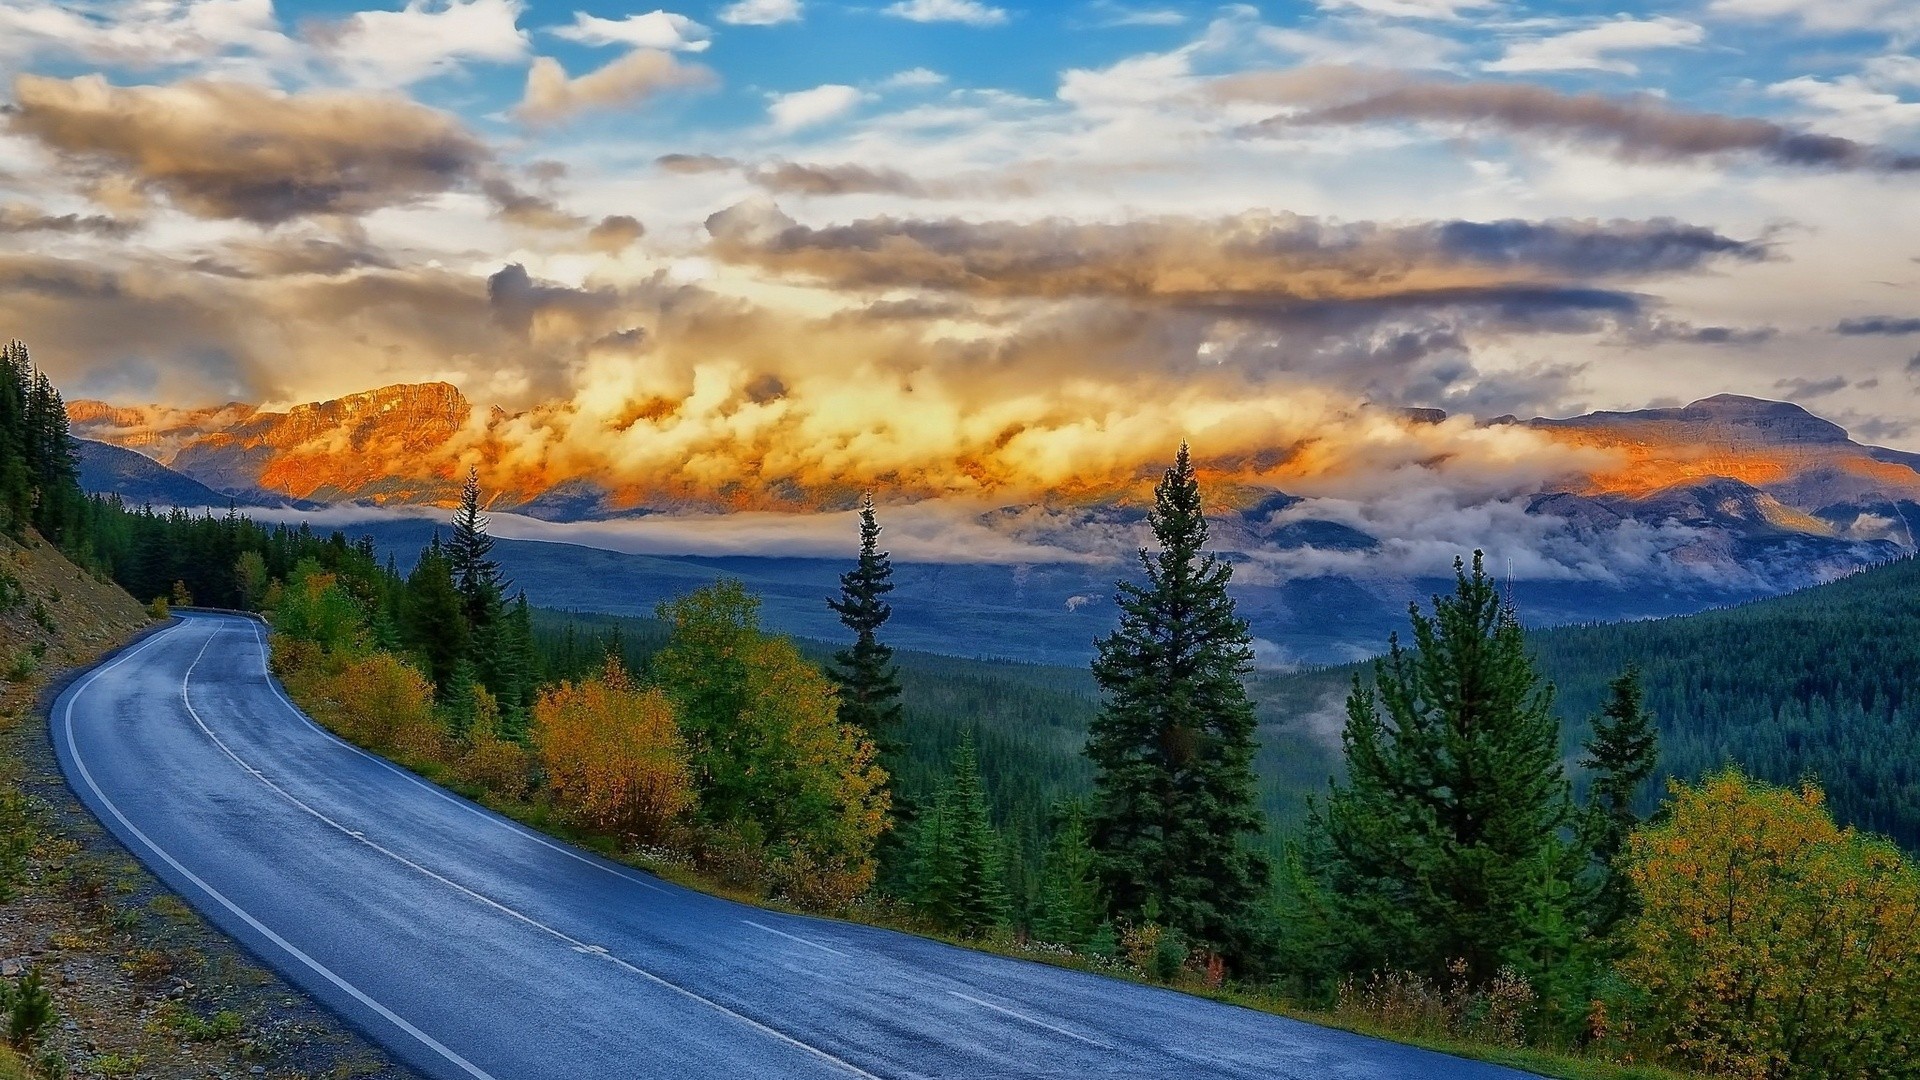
(1458, 884)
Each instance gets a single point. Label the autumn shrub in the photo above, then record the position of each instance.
(1410, 1005)
(773, 764)
(383, 702)
(613, 755)
(484, 760)
(833, 885)
(1771, 943)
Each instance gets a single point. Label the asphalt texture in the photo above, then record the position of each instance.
(473, 947)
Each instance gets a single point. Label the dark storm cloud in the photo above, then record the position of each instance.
(1635, 128)
(1890, 325)
(1251, 260)
(231, 150)
(18, 218)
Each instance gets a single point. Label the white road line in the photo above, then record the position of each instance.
(80, 764)
(571, 941)
(1035, 1021)
(485, 815)
(793, 937)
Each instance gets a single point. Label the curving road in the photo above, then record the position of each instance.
(472, 947)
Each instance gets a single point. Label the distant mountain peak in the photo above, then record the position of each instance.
(1720, 418)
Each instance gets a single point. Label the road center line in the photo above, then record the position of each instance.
(793, 937)
(571, 942)
(1035, 1021)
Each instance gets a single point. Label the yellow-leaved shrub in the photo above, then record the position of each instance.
(1771, 943)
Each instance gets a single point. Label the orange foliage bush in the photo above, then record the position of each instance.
(613, 755)
(1771, 942)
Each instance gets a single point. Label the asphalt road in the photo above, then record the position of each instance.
(472, 947)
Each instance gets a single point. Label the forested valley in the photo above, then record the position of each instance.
(1491, 860)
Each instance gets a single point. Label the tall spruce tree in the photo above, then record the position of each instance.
(433, 620)
(958, 876)
(869, 683)
(1070, 911)
(482, 587)
(39, 475)
(1443, 844)
(1174, 794)
(1621, 756)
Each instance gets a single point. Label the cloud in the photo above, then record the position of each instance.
(760, 12)
(1826, 16)
(912, 79)
(18, 218)
(1256, 258)
(786, 177)
(1662, 330)
(799, 109)
(653, 30)
(1891, 325)
(1593, 48)
(969, 12)
(148, 34)
(551, 97)
(797, 178)
(615, 233)
(1111, 14)
(1802, 389)
(422, 40)
(695, 164)
(229, 150)
(1445, 10)
(1634, 128)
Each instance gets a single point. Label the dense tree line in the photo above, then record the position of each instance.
(39, 486)
(1823, 683)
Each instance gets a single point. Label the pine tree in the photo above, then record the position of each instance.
(480, 583)
(960, 883)
(434, 626)
(1443, 842)
(869, 683)
(1621, 755)
(1070, 909)
(1174, 795)
(519, 674)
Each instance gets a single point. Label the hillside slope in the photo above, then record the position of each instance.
(141, 985)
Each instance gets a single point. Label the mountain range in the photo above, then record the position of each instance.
(1674, 510)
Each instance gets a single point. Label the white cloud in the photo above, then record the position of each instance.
(1362, 43)
(1851, 106)
(912, 78)
(1828, 16)
(1409, 9)
(805, 108)
(760, 12)
(1593, 48)
(423, 39)
(654, 30)
(1893, 70)
(143, 33)
(1108, 13)
(970, 12)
